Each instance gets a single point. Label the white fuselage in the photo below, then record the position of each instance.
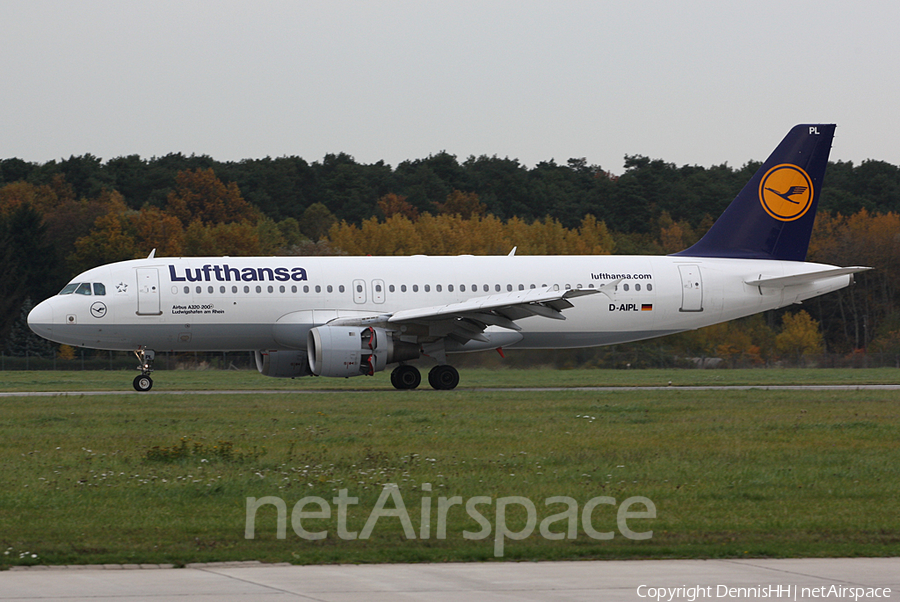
(268, 303)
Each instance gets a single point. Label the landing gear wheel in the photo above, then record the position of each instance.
(142, 382)
(443, 377)
(145, 357)
(405, 377)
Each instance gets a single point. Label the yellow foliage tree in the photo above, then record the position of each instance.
(239, 239)
(799, 336)
(155, 229)
(451, 234)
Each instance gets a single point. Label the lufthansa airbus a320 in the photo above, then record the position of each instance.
(353, 316)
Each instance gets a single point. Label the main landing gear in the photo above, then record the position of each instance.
(443, 377)
(143, 382)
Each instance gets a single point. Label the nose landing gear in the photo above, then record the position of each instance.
(143, 382)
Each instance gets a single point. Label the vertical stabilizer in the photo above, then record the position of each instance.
(772, 217)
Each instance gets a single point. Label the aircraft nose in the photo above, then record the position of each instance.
(40, 319)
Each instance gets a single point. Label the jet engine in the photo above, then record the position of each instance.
(352, 350)
(282, 363)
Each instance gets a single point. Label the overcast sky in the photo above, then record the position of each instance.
(688, 82)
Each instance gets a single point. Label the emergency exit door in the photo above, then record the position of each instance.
(148, 292)
(691, 288)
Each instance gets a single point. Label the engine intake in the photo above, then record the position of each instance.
(352, 350)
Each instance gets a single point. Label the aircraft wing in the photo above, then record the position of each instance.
(467, 320)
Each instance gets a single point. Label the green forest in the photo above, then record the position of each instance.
(61, 217)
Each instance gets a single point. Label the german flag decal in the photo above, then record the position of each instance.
(646, 307)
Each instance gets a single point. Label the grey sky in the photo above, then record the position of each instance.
(689, 82)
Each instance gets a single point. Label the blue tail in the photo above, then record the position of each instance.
(772, 217)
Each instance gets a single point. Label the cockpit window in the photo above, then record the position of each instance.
(83, 289)
(69, 288)
(99, 288)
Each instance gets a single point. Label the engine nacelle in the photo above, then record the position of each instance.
(282, 363)
(353, 350)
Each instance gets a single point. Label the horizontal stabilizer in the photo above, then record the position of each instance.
(783, 281)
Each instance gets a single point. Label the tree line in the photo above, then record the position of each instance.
(61, 217)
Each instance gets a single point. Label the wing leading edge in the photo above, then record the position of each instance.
(467, 320)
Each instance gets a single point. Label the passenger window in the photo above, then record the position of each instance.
(330, 288)
(294, 289)
(271, 289)
(450, 287)
(402, 288)
(649, 287)
(358, 288)
(246, 289)
(83, 289)
(99, 289)
(438, 288)
(234, 289)
(187, 290)
(497, 287)
(390, 288)
(222, 290)
(462, 288)
(508, 287)
(487, 289)
(532, 286)
(258, 289)
(199, 290)
(341, 288)
(624, 287)
(637, 287)
(427, 288)
(281, 289)
(210, 290)
(377, 288)
(521, 287)
(305, 288)
(415, 288)
(318, 289)
(69, 289)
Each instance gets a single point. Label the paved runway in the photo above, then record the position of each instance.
(893, 387)
(838, 579)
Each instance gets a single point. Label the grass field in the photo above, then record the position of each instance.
(140, 478)
(469, 378)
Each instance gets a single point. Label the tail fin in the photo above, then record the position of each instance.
(772, 217)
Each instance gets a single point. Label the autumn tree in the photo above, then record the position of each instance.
(111, 239)
(239, 239)
(799, 336)
(392, 204)
(200, 195)
(156, 229)
(464, 204)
